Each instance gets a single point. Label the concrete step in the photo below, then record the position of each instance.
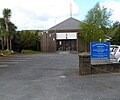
(64, 52)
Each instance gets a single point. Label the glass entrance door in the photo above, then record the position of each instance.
(66, 45)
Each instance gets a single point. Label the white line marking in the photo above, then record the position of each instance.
(62, 76)
(3, 65)
(9, 62)
(13, 60)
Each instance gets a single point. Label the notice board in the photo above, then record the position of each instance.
(100, 49)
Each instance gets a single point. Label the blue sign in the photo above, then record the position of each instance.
(100, 49)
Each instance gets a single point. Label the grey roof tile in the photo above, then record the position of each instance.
(68, 24)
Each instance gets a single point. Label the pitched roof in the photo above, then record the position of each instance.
(68, 24)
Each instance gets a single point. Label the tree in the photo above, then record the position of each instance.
(96, 24)
(12, 31)
(116, 24)
(2, 32)
(26, 40)
(6, 16)
(116, 34)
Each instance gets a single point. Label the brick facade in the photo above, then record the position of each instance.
(49, 42)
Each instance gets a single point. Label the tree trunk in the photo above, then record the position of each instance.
(7, 34)
(2, 43)
(7, 43)
(10, 44)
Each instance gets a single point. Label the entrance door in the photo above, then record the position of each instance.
(73, 45)
(66, 45)
(66, 41)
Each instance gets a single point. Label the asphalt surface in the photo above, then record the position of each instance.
(53, 77)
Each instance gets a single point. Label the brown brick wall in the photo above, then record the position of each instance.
(44, 42)
(52, 42)
(48, 42)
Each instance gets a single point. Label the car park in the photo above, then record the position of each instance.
(115, 54)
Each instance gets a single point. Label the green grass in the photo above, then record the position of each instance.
(8, 52)
(33, 52)
(30, 51)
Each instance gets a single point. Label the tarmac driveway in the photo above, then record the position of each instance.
(53, 77)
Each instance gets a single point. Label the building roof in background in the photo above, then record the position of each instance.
(68, 24)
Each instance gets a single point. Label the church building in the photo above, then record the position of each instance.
(63, 37)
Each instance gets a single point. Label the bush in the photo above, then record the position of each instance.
(6, 52)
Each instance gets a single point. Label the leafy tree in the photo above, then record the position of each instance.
(116, 33)
(12, 31)
(26, 40)
(2, 32)
(15, 42)
(116, 24)
(6, 16)
(96, 24)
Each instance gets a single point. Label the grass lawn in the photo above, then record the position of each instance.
(8, 52)
(32, 52)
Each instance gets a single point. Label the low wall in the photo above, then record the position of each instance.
(85, 67)
(105, 68)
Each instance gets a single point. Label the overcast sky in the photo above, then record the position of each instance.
(43, 14)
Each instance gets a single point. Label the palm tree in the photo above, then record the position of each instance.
(2, 32)
(12, 31)
(6, 16)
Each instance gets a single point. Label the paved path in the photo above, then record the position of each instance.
(53, 77)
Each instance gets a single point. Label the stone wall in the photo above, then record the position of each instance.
(84, 62)
(105, 68)
(85, 67)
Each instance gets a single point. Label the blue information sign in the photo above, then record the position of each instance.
(100, 49)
